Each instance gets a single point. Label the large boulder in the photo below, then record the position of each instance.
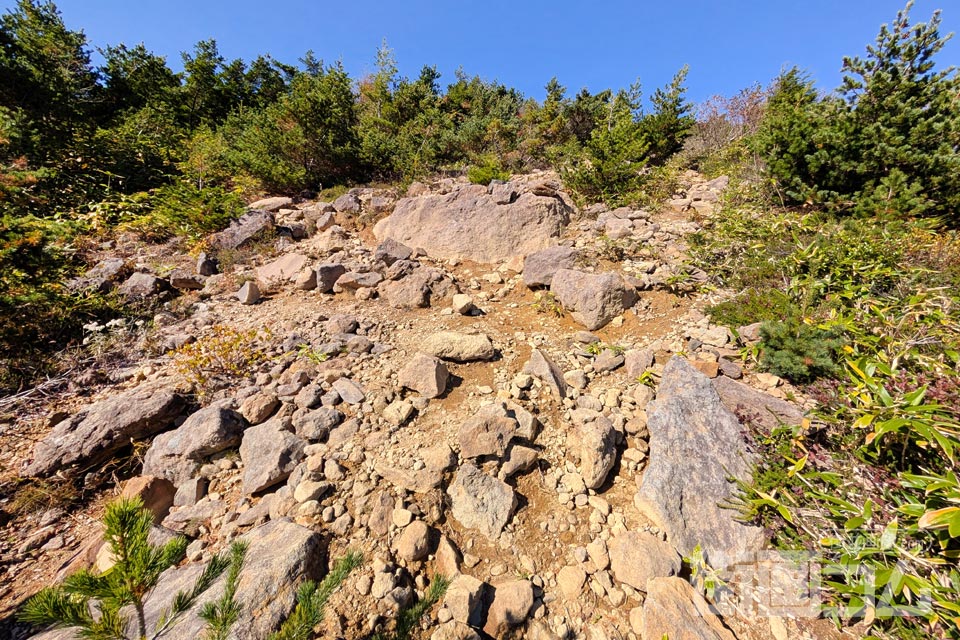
(539, 267)
(177, 454)
(674, 609)
(281, 556)
(471, 224)
(636, 557)
(756, 407)
(252, 225)
(481, 502)
(593, 299)
(697, 453)
(100, 429)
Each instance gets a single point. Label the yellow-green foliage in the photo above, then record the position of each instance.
(224, 353)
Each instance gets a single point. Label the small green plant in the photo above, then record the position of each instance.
(487, 169)
(220, 615)
(753, 305)
(312, 601)
(704, 577)
(798, 351)
(224, 353)
(138, 568)
(596, 348)
(408, 617)
(546, 302)
(307, 352)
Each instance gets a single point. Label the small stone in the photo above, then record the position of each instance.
(249, 293)
(414, 543)
(570, 580)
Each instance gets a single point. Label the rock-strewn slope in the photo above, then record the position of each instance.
(439, 417)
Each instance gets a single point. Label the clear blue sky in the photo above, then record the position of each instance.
(523, 43)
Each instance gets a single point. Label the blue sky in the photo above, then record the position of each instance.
(523, 43)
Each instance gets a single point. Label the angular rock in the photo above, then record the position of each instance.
(570, 580)
(608, 360)
(486, 435)
(306, 280)
(541, 366)
(189, 492)
(142, 285)
(156, 493)
(539, 267)
(349, 391)
(269, 453)
(389, 251)
(596, 445)
(593, 300)
(636, 557)
(636, 361)
(464, 600)
(281, 555)
(101, 277)
(463, 304)
(352, 280)
(283, 269)
(674, 609)
(207, 265)
(481, 502)
(511, 605)
(327, 276)
(249, 227)
(317, 424)
(100, 429)
(176, 455)
(459, 347)
(249, 293)
(426, 375)
(406, 293)
(347, 203)
(468, 224)
(398, 412)
(696, 448)
(756, 407)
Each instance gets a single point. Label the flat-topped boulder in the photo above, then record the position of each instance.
(475, 223)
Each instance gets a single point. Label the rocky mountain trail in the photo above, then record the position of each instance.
(461, 380)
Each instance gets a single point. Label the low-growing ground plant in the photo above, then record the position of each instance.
(223, 354)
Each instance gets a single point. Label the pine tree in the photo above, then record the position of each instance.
(138, 567)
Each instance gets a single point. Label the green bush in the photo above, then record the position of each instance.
(180, 209)
(753, 305)
(487, 170)
(797, 351)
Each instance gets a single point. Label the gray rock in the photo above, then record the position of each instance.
(207, 265)
(539, 267)
(258, 407)
(327, 276)
(596, 445)
(411, 292)
(349, 391)
(176, 455)
(280, 557)
(183, 279)
(593, 300)
(269, 453)
(347, 203)
(636, 557)
(696, 448)
(464, 600)
(486, 435)
(608, 360)
(425, 374)
(306, 280)
(341, 323)
(272, 204)
(189, 492)
(389, 251)
(468, 224)
(637, 361)
(249, 293)
(674, 609)
(511, 605)
(481, 502)
(541, 366)
(353, 280)
(252, 225)
(142, 285)
(100, 429)
(284, 269)
(101, 277)
(316, 425)
(756, 407)
(459, 347)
